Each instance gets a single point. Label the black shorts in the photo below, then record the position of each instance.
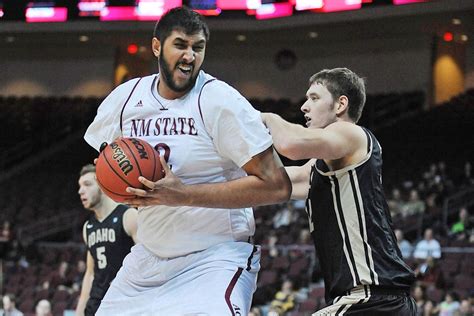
(92, 306)
(367, 301)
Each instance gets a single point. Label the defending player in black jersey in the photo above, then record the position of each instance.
(109, 234)
(363, 270)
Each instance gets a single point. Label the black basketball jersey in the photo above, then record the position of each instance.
(108, 244)
(351, 226)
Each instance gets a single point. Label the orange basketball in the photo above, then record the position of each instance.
(121, 163)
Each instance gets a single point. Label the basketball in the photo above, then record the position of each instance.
(121, 163)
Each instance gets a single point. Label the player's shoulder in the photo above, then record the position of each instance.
(345, 127)
(129, 85)
(214, 92)
(124, 90)
(209, 84)
(127, 212)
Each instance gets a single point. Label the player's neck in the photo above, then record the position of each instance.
(104, 208)
(166, 92)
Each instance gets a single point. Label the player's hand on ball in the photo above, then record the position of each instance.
(167, 191)
(102, 147)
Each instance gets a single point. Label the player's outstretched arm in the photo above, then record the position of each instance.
(130, 223)
(335, 141)
(86, 281)
(267, 183)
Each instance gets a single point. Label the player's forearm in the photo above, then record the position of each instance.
(266, 183)
(285, 135)
(299, 177)
(248, 191)
(85, 293)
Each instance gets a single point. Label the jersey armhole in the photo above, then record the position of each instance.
(84, 232)
(125, 104)
(199, 99)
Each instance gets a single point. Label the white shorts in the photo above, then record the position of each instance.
(217, 281)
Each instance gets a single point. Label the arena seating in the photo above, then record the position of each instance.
(47, 188)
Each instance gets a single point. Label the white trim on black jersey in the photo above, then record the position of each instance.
(350, 214)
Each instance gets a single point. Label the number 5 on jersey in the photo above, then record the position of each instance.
(101, 258)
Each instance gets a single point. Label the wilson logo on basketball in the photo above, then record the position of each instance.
(123, 161)
(141, 149)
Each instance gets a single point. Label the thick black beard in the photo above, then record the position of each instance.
(168, 76)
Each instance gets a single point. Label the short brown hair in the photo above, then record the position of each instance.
(343, 81)
(86, 169)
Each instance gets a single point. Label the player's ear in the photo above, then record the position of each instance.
(156, 46)
(342, 105)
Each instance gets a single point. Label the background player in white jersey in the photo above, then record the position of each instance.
(194, 225)
(350, 223)
(109, 234)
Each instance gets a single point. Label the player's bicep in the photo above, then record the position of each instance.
(272, 181)
(336, 141)
(84, 232)
(265, 165)
(89, 264)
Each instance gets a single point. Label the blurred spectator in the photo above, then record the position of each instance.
(419, 295)
(429, 274)
(44, 286)
(298, 204)
(466, 178)
(414, 205)
(405, 246)
(433, 213)
(284, 300)
(427, 247)
(465, 309)
(9, 308)
(77, 275)
(14, 253)
(60, 277)
(43, 308)
(255, 311)
(284, 216)
(5, 238)
(462, 229)
(304, 237)
(442, 173)
(395, 203)
(273, 312)
(272, 244)
(429, 308)
(448, 307)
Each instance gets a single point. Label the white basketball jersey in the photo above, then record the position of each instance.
(206, 136)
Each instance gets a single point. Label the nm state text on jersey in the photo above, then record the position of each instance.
(163, 126)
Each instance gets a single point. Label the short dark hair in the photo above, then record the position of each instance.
(86, 169)
(343, 81)
(182, 19)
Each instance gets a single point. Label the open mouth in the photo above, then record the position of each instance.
(185, 69)
(308, 120)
